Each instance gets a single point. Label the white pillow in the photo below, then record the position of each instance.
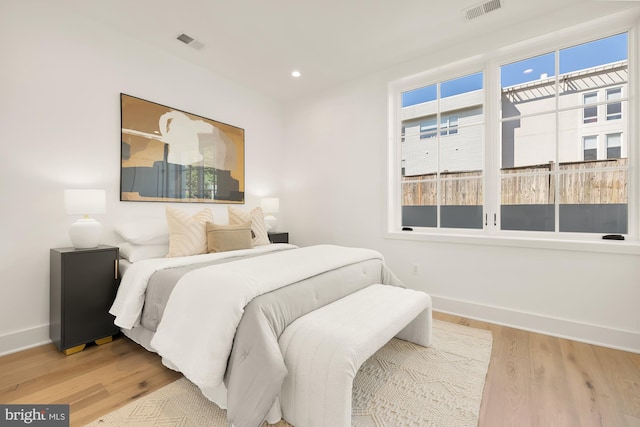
(144, 232)
(187, 233)
(258, 226)
(134, 253)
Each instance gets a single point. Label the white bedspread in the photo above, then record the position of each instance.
(129, 301)
(199, 322)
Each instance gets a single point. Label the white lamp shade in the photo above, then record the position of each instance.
(84, 202)
(85, 232)
(270, 205)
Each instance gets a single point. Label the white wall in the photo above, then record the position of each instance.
(60, 81)
(335, 185)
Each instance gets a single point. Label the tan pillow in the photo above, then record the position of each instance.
(221, 238)
(258, 226)
(187, 233)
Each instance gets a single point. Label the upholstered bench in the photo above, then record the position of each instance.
(324, 349)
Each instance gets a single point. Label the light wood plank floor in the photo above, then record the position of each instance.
(533, 380)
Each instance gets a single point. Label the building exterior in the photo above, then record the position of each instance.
(591, 123)
(591, 118)
(460, 139)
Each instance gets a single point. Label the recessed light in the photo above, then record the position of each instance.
(295, 73)
(528, 71)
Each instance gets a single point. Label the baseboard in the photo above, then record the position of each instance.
(22, 340)
(562, 328)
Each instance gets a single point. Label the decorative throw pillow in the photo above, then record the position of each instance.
(187, 233)
(221, 238)
(258, 226)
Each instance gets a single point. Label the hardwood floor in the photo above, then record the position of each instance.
(93, 382)
(533, 380)
(538, 380)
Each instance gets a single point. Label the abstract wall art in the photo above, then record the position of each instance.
(170, 155)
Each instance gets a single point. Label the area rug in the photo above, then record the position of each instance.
(402, 384)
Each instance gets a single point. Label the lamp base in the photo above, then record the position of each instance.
(85, 233)
(271, 221)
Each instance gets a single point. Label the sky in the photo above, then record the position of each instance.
(598, 52)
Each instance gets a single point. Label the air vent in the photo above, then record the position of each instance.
(190, 41)
(185, 38)
(481, 9)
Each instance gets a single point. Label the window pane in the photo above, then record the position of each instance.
(577, 142)
(461, 200)
(419, 153)
(443, 135)
(526, 80)
(527, 202)
(590, 154)
(590, 142)
(590, 148)
(614, 153)
(614, 146)
(462, 101)
(419, 197)
(614, 109)
(593, 201)
(529, 141)
(613, 94)
(462, 85)
(419, 96)
(462, 151)
(590, 114)
(449, 124)
(428, 128)
(593, 54)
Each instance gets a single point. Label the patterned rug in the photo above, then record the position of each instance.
(400, 385)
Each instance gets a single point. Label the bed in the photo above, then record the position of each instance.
(217, 317)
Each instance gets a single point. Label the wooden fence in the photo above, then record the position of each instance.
(458, 189)
(529, 185)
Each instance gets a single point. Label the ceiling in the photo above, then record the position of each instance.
(257, 43)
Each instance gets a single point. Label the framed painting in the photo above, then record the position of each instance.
(169, 155)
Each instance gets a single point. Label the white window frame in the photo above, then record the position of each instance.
(590, 105)
(488, 63)
(447, 125)
(610, 101)
(584, 145)
(607, 145)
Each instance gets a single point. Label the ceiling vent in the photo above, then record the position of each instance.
(481, 9)
(190, 41)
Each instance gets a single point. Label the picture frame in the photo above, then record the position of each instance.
(169, 155)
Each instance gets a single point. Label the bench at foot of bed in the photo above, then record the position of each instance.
(324, 349)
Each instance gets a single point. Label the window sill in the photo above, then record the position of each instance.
(625, 247)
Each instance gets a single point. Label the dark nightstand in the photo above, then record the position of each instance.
(83, 286)
(278, 237)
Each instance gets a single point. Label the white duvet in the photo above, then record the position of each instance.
(127, 306)
(199, 322)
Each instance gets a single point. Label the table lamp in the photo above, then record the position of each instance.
(85, 232)
(270, 206)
